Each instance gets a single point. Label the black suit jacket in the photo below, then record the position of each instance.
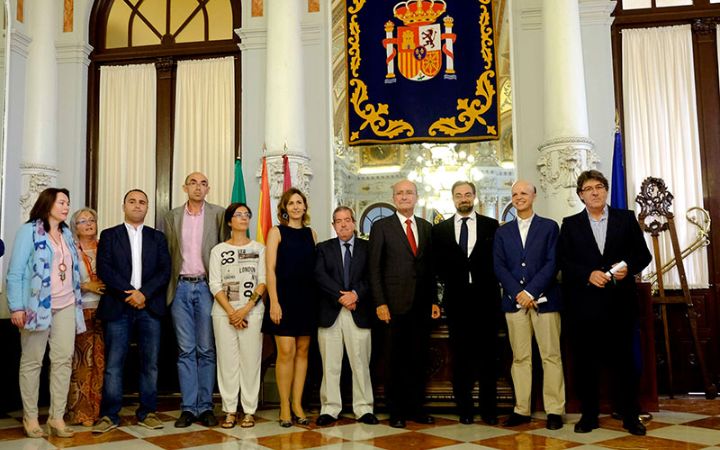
(114, 267)
(398, 278)
(329, 277)
(579, 256)
(452, 266)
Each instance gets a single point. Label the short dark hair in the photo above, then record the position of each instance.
(343, 208)
(230, 211)
(591, 175)
(44, 204)
(135, 190)
(282, 206)
(460, 183)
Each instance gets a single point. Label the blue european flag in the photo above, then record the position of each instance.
(618, 194)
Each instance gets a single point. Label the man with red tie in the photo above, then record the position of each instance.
(404, 290)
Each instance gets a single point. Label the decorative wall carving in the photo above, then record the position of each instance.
(560, 163)
(35, 179)
(300, 172)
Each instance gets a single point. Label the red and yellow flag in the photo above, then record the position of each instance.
(264, 222)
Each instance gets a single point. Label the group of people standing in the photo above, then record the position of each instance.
(212, 278)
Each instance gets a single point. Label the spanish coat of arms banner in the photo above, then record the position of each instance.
(421, 70)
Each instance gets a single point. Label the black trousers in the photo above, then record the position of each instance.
(407, 339)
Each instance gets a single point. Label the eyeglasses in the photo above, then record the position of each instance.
(86, 221)
(597, 187)
(194, 183)
(243, 215)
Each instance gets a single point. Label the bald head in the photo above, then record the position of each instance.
(405, 197)
(196, 187)
(523, 196)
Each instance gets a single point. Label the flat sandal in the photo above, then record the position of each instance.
(230, 420)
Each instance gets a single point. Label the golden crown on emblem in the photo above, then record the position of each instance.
(419, 11)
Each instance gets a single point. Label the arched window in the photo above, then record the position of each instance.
(373, 213)
(159, 32)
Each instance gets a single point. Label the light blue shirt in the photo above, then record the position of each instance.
(351, 241)
(599, 228)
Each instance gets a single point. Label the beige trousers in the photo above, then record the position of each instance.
(61, 337)
(546, 329)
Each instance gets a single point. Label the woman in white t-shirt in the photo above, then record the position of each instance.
(237, 280)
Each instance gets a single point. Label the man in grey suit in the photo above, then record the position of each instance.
(405, 293)
(192, 230)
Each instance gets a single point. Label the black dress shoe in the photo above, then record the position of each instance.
(466, 419)
(368, 419)
(636, 428)
(586, 424)
(185, 420)
(516, 419)
(397, 422)
(208, 418)
(554, 422)
(424, 419)
(324, 420)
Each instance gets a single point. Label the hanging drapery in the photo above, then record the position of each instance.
(126, 139)
(421, 70)
(205, 127)
(661, 130)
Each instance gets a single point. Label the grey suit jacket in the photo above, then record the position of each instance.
(214, 231)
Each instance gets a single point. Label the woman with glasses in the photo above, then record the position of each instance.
(43, 294)
(237, 281)
(89, 360)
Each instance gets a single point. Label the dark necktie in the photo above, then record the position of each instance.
(411, 236)
(463, 241)
(347, 259)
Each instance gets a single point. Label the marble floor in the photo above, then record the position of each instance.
(687, 423)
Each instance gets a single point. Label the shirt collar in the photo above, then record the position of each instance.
(526, 221)
(132, 228)
(603, 217)
(459, 218)
(350, 241)
(190, 213)
(403, 218)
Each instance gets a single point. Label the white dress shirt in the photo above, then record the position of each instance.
(472, 234)
(524, 227)
(135, 236)
(413, 225)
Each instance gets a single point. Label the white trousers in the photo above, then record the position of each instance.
(61, 337)
(239, 354)
(333, 341)
(546, 328)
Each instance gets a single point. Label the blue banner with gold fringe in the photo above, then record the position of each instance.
(421, 70)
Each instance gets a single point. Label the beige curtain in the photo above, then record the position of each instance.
(205, 127)
(661, 130)
(126, 150)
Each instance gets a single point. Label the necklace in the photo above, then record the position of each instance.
(62, 268)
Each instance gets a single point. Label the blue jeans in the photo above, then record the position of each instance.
(190, 311)
(117, 342)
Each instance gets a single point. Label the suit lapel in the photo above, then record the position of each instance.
(209, 222)
(124, 242)
(400, 230)
(338, 255)
(178, 226)
(589, 236)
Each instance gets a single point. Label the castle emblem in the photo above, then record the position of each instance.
(419, 44)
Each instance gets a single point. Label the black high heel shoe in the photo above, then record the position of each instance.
(285, 423)
(304, 421)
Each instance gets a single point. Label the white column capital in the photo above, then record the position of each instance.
(73, 53)
(560, 163)
(252, 38)
(35, 178)
(300, 173)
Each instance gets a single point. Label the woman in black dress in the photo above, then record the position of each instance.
(290, 260)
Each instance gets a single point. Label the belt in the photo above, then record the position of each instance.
(191, 279)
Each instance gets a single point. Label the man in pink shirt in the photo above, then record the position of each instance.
(192, 230)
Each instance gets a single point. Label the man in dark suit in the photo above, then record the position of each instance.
(525, 263)
(405, 294)
(346, 315)
(134, 263)
(463, 256)
(601, 300)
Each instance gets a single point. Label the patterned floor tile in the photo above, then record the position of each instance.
(7, 434)
(648, 443)
(709, 422)
(298, 440)
(88, 438)
(525, 440)
(696, 405)
(468, 433)
(345, 446)
(27, 444)
(169, 429)
(188, 440)
(567, 433)
(614, 424)
(411, 439)
(259, 430)
(676, 417)
(360, 432)
(136, 444)
(685, 433)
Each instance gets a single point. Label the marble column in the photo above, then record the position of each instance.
(284, 96)
(567, 149)
(39, 162)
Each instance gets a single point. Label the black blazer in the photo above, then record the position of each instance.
(579, 256)
(329, 277)
(452, 266)
(114, 267)
(398, 278)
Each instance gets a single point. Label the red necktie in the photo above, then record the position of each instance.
(411, 236)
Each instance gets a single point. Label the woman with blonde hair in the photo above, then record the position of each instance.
(291, 317)
(89, 359)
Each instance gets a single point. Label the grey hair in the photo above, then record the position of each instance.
(74, 219)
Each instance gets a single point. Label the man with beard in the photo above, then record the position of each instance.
(464, 264)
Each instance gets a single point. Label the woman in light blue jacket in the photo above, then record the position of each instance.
(43, 292)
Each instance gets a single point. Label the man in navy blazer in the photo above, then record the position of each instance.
(525, 263)
(405, 294)
(601, 299)
(346, 315)
(463, 247)
(134, 262)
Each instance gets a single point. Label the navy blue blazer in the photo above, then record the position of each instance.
(114, 267)
(579, 256)
(532, 268)
(329, 277)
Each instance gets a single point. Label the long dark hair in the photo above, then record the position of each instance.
(44, 204)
